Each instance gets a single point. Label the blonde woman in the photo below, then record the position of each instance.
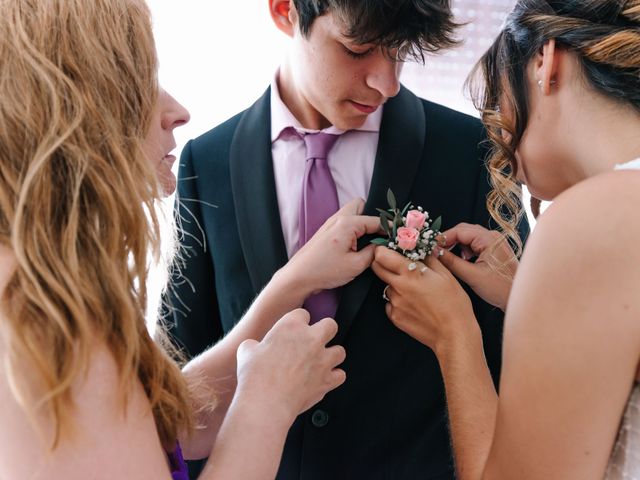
(566, 78)
(85, 143)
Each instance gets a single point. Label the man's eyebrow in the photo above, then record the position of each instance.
(354, 41)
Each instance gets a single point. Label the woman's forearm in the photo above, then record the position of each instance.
(250, 426)
(214, 371)
(472, 402)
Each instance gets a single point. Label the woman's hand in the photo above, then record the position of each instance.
(427, 303)
(331, 259)
(291, 369)
(491, 276)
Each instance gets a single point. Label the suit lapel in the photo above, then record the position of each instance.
(400, 150)
(254, 194)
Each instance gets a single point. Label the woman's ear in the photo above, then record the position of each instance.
(283, 15)
(546, 69)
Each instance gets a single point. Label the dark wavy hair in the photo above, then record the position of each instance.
(413, 27)
(604, 35)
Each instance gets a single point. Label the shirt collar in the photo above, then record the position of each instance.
(282, 118)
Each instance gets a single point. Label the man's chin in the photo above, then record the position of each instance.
(350, 123)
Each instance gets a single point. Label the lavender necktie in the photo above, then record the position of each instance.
(319, 201)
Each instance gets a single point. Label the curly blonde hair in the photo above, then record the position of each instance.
(605, 36)
(78, 201)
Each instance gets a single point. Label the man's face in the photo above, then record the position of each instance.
(331, 80)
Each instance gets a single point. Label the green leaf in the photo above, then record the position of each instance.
(391, 198)
(380, 241)
(385, 213)
(399, 218)
(406, 207)
(384, 223)
(437, 224)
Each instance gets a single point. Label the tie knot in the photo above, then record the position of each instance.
(319, 144)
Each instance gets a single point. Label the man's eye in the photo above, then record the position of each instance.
(353, 54)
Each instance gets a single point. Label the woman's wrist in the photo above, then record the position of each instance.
(262, 408)
(459, 339)
(297, 285)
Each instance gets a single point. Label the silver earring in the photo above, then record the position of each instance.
(551, 82)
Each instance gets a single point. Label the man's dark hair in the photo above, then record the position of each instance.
(414, 27)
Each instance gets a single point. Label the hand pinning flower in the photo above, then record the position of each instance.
(410, 231)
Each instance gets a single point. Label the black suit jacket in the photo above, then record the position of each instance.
(388, 421)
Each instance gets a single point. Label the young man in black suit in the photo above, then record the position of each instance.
(341, 77)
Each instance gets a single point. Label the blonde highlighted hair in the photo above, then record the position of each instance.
(77, 201)
(605, 36)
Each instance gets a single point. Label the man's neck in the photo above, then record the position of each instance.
(295, 101)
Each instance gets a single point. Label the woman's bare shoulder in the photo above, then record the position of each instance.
(596, 216)
(108, 436)
(584, 248)
(612, 195)
(572, 336)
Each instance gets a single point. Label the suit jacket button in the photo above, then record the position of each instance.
(319, 418)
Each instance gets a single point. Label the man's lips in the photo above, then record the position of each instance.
(368, 109)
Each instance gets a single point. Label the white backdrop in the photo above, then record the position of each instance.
(216, 57)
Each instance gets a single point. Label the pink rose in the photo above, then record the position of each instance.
(415, 219)
(407, 238)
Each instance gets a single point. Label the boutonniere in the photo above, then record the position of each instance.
(410, 231)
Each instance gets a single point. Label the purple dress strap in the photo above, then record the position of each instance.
(177, 464)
